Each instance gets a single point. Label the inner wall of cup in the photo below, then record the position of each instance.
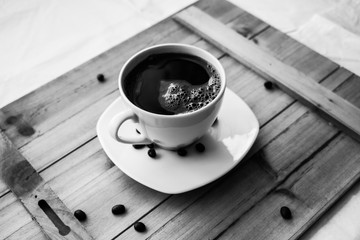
(171, 48)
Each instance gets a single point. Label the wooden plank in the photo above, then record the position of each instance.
(351, 91)
(28, 232)
(13, 216)
(273, 42)
(295, 83)
(295, 111)
(54, 218)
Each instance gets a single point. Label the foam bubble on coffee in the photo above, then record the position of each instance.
(179, 96)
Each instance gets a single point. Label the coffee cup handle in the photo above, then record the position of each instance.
(116, 123)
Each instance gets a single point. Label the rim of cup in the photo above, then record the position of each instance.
(219, 68)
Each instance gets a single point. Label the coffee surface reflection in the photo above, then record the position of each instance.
(172, 83)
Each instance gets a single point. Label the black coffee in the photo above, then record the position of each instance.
(172, 83)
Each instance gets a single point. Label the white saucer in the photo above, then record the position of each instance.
(226, 143)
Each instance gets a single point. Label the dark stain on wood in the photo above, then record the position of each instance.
(11, 120)
(16, 171)
(26, 130)
(21, 177)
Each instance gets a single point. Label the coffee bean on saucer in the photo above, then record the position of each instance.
(118, 209)
(152, 153)
(140, 227)
(285, 213)
(138, 146)
(268, 85)
(80, 215)
(181, 152)
(137, 131)
(200, 147)
(100, 77)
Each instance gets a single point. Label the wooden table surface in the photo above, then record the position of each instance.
(306, 156)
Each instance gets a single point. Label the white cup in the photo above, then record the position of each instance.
(167, 131)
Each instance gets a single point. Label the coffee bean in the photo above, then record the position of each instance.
(138, 146)
(80, 215)
(200, 147)
(100, 77)
(137, 131)
(182, 152)
(140, 227)
(118, 209)
(152, 153)
(285, 213)
(268, 85)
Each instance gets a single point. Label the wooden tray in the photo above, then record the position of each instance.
(300, 159)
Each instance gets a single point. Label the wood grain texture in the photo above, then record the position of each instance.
(295, 83)
(83, 176)
(30, 188)
(316, 185)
